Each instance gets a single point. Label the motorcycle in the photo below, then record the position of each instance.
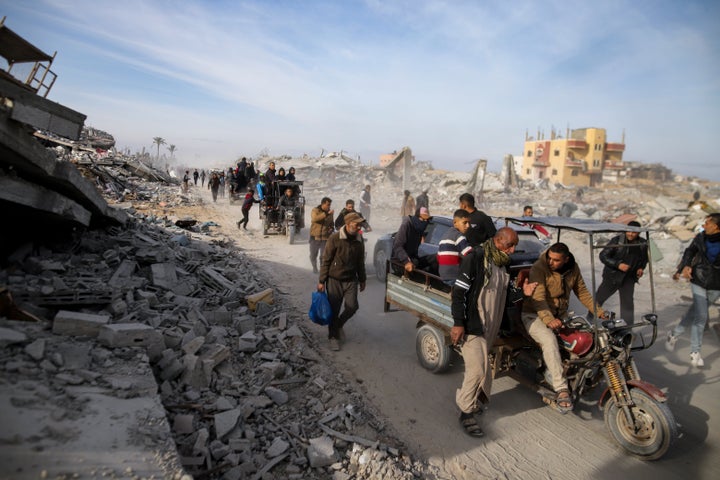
(635, 411)
(594, 352)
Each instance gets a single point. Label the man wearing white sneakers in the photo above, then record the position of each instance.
(701, 265)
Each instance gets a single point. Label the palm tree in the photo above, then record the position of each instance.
(172, 149)
(158, 141)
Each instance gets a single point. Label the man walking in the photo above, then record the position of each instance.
(321, 227)
(478, 304)
(342, 273)
(365, 202)
(625, 258)
(700, 264)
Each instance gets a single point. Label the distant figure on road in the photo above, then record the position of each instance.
(246, 206)
(422, 200)
(321, 227)
(196, 175)
(214, 185)
(408, 204)
(365, 203)
(186, 181)
(202, 178)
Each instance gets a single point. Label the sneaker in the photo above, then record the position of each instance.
(670, 342)
(334, 344)
(696, 360)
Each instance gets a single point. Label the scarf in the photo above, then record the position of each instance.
(492, 255)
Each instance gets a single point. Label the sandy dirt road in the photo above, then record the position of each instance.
(523, 438)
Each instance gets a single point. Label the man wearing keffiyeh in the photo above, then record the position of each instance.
(478, 304)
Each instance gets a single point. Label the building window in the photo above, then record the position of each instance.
(527, 171)
(596, 163)
(556, 153)
(554, 172)
(574, 172)
(529, 153)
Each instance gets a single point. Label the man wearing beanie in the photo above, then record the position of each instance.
(625, 258)
(342, 273)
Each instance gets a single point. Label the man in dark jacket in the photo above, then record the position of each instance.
(481, 225)
(701, 265)
(625, 258)
(342, 272)
(350, 208)
(407, 241)
(478, 304)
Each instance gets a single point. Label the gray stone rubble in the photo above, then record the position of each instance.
(246, 393)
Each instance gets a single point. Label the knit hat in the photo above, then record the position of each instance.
(352, 218)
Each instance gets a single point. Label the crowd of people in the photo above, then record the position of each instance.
(472, 261)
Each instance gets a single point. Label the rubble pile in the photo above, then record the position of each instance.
(246, 393)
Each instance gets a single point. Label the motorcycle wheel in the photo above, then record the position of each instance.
(653, 431)
(291, 234)
(431, 350)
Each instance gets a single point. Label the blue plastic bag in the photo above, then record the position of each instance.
(320, 310)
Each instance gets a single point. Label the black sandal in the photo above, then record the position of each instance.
(470, 425)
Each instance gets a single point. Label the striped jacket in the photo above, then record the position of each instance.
(451, 249)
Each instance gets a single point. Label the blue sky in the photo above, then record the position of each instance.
(453, 80)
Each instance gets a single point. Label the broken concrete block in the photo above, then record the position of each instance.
(193, 345)
(278, 396)
(215, 354)
(278, 447)
(164, 275)
(218, 449)
(321, 452)
(262, 308)
(36, 349)
(129, 335)
(183, 424)
(197, 372)
(226, 421)
(266, 296)
(9, 336)
(78, 324)
(200, 445)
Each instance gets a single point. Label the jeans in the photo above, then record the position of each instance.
(316, 247)
(697, 315)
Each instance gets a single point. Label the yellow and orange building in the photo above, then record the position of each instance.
(580, 158)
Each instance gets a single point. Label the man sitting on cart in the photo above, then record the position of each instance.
(288, 201)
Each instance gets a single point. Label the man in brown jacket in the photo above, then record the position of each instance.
(556, 274)
(342, 271)
(321, 227)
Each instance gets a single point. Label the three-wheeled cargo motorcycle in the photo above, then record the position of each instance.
(281, 214)
(635, 411)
